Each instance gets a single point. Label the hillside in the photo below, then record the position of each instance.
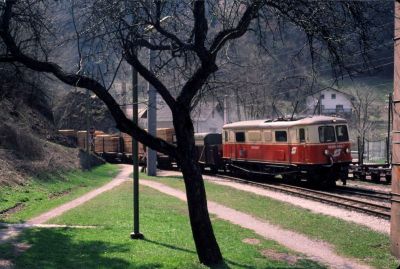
(26, 121)
(70, 112)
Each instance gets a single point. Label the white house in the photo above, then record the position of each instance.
(207, 117)
(330, 101)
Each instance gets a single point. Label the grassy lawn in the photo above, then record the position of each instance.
(168, 241)
(41, 194)
(348, 239)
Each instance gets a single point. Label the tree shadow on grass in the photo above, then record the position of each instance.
(55, 248)
(223, 265)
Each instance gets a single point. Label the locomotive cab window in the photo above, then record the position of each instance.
(226, 137)
(341, 133)
(302, 135)
(280, 136)
(239, 136)
(326, 134)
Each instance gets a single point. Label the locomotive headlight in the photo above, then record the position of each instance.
(326, 152)
(347, 150)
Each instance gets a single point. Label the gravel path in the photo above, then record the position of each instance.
(374, 223)
(315, 250)
(369, 186)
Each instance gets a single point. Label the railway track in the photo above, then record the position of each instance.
(379, 208)
(379, 196)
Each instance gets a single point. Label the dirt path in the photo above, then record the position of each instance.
(374, 223)
(315, 250)
(122, 176)
(11, 231)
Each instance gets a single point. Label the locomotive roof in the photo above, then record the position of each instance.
(312, 120)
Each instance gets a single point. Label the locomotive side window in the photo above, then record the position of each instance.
(341, 133)
(254, 136)
(326, 134)
(302, 135)
(280, 136)
(268, 135)
(226, 136)
(239, 136)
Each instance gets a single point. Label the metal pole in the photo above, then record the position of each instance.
(87, 142)
(225, 109)
(151, 122)
(135, 234)
(359, 149)
(395, 208)
(389, 129)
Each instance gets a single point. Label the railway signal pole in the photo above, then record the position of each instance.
(395, 211)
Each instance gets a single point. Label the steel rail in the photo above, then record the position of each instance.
(381, 211)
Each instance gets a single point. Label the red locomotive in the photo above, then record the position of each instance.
(316, 148)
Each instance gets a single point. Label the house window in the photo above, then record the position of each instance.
(280, 136)
(239, 136)
(322, 96)
(333, 96)
(339, 108)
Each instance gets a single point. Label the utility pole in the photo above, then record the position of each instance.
(151, 121)
(152, 110)
(395, 208)
(225, 109)
(388, 159)
(88, 138)
(238, 105)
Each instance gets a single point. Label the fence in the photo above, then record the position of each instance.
(374, 151)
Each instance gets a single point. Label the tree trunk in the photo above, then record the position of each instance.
(206, 244)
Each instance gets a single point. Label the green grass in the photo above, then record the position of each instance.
(168, 241)
(348, 239)
(41, 194)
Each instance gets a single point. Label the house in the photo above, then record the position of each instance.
(330, 102)
(207, 117)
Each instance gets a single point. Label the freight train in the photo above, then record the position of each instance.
(315, 148)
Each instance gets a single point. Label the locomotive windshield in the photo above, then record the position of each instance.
(341, 133)
(326, 134)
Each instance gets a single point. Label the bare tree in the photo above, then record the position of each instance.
(364, 110)
(187, 47)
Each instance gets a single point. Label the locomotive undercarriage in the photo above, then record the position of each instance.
(315, 174)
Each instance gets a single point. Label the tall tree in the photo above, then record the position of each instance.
(188, 45)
